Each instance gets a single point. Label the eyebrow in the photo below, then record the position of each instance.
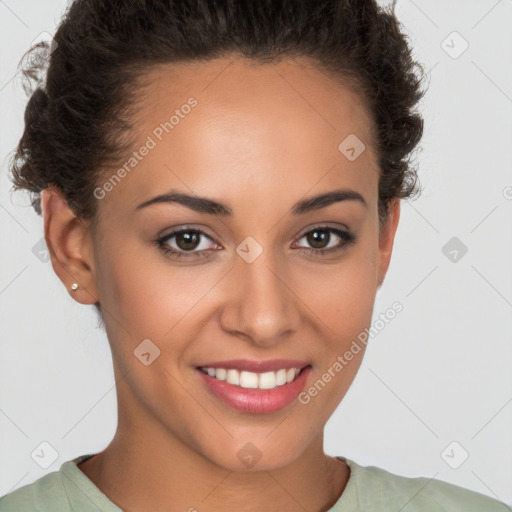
(211, 207)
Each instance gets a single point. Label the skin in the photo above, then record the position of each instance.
(261, 138)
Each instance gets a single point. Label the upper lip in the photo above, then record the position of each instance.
(252, 365)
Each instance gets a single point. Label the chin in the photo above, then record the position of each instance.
(261, 454)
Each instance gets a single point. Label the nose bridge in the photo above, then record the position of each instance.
(264, 308)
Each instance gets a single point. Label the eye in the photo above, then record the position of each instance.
(188, 244)
(321, 236)
(187, 241)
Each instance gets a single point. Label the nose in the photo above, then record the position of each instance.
(261, 305)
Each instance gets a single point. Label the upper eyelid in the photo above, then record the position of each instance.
(179, 230)
(339, 227)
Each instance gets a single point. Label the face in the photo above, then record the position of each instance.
(257, 285)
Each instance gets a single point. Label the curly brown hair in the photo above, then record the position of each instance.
(78, 118)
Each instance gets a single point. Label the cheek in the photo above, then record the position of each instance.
(145, 297)
(131, 298)
(343, 306)
(342, 296)
(346, 298)
(343, 303)
(143, 293)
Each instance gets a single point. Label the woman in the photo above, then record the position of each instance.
(200, 166)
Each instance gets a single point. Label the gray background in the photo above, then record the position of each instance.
(435, 384)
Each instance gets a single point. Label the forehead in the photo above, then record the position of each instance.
(231, 121)
(229, 85)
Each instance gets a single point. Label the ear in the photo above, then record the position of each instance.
(70, 246)
(386, 239)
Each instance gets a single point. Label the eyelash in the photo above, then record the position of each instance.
(348, 239)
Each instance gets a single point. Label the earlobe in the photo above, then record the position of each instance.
(386, 239)
(69, 245)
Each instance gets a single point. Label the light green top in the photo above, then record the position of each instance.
(369, 489)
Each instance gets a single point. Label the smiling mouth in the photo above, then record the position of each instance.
(252, 380)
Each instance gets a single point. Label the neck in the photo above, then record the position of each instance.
(145, 467)
(151, 479)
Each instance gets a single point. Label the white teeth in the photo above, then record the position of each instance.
(252, 380)
(248, 380)
(233, 377)
(267, 380)
(280, 377)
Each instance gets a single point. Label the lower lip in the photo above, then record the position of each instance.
(257, 400)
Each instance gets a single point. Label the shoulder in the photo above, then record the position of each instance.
(65, 490)
(375, 485)
(48, 491)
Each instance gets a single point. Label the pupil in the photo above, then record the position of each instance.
(314, 240)
(189, 239)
